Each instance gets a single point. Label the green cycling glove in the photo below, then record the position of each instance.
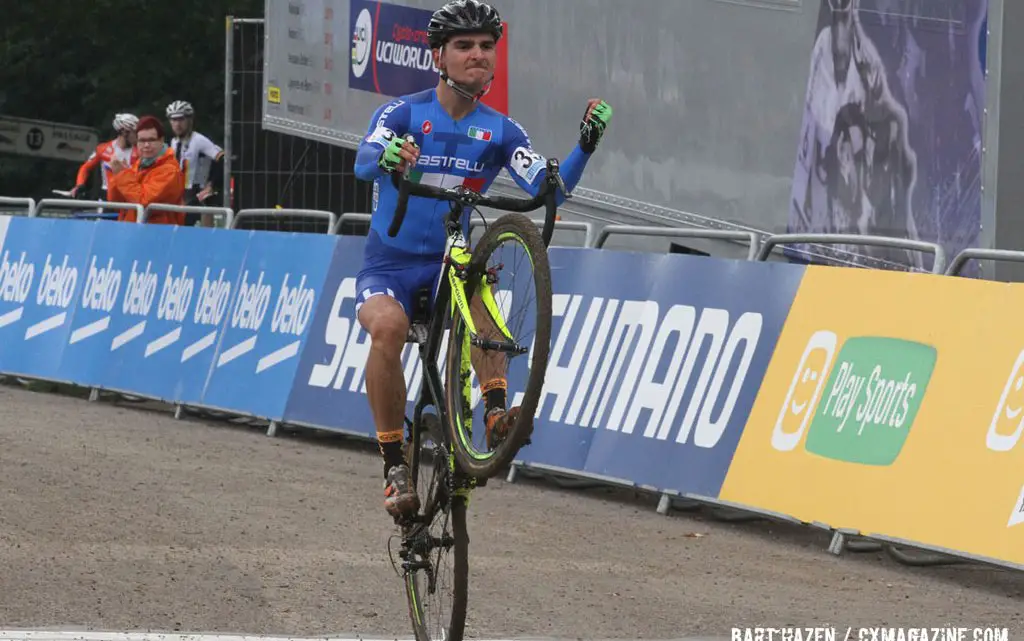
(390, 158)
(593, 127)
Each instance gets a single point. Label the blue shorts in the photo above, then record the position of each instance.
(392, 272)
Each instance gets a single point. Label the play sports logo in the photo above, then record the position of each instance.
(858, 405)
(1007, 426)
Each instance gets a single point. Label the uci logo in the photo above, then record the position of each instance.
(361, 37)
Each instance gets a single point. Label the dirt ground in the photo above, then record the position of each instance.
(118, 518)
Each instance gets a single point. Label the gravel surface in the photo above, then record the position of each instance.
(114, 517)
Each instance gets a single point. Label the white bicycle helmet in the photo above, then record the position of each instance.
(125, 122)
(180, 109)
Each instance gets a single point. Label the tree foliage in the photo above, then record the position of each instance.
(82, 62)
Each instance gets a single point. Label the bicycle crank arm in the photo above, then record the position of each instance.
(498, 346)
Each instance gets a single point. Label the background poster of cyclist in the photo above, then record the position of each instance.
(390, 54)
(890, 139)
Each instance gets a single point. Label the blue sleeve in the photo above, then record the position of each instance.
(390, 120)
(528, 168)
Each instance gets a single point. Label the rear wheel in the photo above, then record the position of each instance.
(512, 252)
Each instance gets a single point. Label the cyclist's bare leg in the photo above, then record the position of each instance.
(488, 364)
(490, 367)
(388, 326)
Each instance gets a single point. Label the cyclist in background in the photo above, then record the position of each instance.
(199, 158)
(120, 148)
(459, 142)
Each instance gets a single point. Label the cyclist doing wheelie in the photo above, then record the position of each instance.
(459, 141)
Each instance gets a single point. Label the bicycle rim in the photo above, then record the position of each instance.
(524, 373)
(437, 608)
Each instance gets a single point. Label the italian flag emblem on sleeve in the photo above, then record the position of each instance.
(479, 134)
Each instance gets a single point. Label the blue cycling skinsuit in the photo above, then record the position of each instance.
(467, 152)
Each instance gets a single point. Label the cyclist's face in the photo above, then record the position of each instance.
(179, 126)
(469, 59)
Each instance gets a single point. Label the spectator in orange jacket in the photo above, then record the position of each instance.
(154, 178)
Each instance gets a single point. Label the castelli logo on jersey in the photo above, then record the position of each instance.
(427, 127)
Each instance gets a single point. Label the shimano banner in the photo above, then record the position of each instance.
(655, 362)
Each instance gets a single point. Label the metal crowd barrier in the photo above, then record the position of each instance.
(349, 217)
(28, 203)
(760, 245)
(753, 239)
(226, 215)
(760, 248)
(567, 225)
(1005, 255)
(938, 267)
(330, 217)
(71, 203)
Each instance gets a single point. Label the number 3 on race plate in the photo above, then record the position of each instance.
(527, 163)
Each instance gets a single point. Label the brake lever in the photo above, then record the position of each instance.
(553, 173)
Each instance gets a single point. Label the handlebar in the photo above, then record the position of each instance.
(66, 193)
(464, 196)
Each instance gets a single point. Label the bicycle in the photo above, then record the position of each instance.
(457, 465)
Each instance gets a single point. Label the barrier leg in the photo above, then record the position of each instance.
(512, 470)
(863, 546)
(177, 411)
(664, 504)
(839, 540)
(734, 516)
(94, 394)
(272, 429)
(921, 559)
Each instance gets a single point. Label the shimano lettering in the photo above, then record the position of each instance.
(175, 296)
(351, 347)
(214, 296)
(57, 285)
(101, 286)
(606, 370)
(336, 334)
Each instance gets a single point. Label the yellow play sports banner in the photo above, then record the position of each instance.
(894, 405)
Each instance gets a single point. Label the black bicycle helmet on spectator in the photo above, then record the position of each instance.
(463, 16)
